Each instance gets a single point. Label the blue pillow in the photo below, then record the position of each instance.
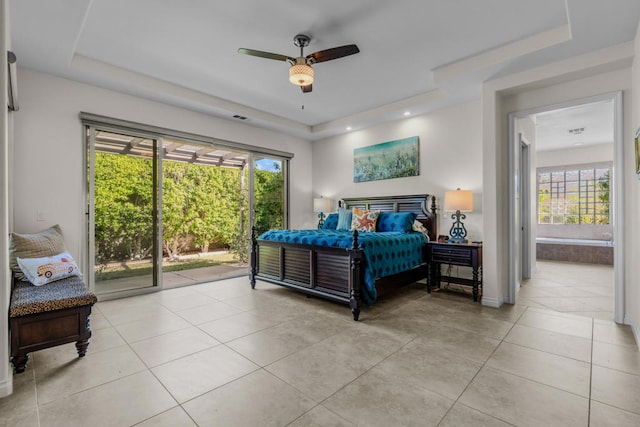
(344, 219)
(330, 222)
(396, 221)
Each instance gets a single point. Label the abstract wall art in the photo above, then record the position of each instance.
(392, 159)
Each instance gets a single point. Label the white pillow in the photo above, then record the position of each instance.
(417, 226)
(41, 271)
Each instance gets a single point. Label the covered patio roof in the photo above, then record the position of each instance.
(172, 149)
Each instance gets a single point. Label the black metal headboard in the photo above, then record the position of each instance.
(424, 206)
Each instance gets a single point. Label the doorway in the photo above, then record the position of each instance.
(580, 197)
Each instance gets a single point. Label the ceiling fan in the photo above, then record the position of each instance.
(301, 70)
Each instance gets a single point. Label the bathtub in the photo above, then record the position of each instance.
(575, 250)
(582, 242)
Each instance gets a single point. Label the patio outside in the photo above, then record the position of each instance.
(203, 199)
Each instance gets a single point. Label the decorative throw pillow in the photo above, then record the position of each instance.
(417, 226)
(41, 271)
(344, 219)
(401, 222)
(364, 220)
(330, 222)
(45, 243)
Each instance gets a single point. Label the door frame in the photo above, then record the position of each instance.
(520, 215)
(89, 131)
(617, 191)
(525, 208)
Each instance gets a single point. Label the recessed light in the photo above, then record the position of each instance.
(348, 127)
(407, 113)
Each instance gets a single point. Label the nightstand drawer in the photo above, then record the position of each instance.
(462, 259)
(451, 255)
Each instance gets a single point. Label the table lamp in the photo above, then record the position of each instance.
(320, 206)
(458, 201)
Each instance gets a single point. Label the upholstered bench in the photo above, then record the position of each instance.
(46, 316)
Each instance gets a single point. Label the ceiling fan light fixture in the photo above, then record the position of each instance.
(301, 74)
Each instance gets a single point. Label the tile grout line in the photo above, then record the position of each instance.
(478, 372)
(150, 371)
(147, 369)
(590, 374)
(539, 382)
(35, 386)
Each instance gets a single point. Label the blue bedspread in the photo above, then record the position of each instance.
(385, 254)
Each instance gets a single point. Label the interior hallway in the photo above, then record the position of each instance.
(576, 288)
(223, 354)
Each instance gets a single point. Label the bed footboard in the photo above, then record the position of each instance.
(326, 272)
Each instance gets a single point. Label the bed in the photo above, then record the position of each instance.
(312, 261)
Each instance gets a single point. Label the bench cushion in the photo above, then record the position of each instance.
(65, 293)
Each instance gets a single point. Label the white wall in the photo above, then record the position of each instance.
(6, 378)
(49, 148)
(450, 157)
(632, 193)
(576, 155)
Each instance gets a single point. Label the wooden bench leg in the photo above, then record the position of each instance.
(20, 362)
(81, 346)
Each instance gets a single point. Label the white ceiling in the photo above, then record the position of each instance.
(416, 55)
(577, 126)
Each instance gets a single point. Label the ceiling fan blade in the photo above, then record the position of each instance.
(267, 55)
(334, 53)
(307, 88)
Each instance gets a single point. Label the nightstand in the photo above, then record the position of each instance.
(463, 254)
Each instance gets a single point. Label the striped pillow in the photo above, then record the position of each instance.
(47, 242)
(344, 219)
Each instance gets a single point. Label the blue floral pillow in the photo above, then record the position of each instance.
(396, 221)
(330, 222)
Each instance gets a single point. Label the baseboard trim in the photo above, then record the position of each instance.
(492, 302)
(6, 385)
(634, 328)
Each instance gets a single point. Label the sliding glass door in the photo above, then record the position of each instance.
(123, 184)
(203, 205)
(172, 210)
(269, 192)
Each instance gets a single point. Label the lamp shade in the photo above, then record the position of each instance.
(321, 205)
(458, 200)
(301, 74)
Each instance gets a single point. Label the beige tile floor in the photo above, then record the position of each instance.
(582, 289)
(220, 354)
(173, 279)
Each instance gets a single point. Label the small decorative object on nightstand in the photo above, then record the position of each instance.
(320, 206)
(458, 201)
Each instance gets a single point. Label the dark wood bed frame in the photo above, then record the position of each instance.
(335, 273)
